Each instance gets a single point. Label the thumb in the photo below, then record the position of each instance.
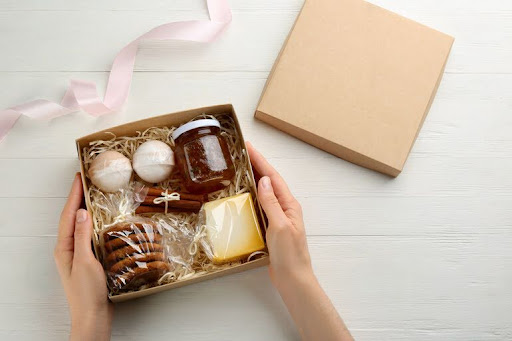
(83, 231)
(270, 204)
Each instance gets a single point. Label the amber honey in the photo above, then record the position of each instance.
(202, 156)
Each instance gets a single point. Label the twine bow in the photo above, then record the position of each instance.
(166, 197)
(200, 234)
(125, 205)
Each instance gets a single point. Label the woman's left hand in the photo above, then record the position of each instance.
(81, 274)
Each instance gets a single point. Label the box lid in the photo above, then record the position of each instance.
(356, 81)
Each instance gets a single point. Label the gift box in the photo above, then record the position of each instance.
(174, 120)
(355, 80)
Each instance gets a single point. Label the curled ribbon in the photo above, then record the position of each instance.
(166, 197)
(83, 94)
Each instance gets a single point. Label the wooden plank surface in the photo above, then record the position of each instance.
(426, 256)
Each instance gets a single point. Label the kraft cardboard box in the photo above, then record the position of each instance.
(173, 119)
(355, 80)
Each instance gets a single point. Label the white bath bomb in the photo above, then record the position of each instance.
(110, 171)
(153, 161)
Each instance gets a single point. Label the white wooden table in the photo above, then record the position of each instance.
(427, 256)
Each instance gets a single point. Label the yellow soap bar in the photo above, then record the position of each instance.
(232, 228)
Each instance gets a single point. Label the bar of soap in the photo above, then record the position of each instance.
(232, 228)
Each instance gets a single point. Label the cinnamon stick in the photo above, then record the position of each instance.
(148, 200)
(157, 192)
(176, 205)
(149, 209)
(184, 204)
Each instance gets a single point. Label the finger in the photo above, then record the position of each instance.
(67, 218)
(270, 204)
(281, 190)
(83, 233)
(65, 242)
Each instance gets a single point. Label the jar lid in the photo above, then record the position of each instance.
(207, 122)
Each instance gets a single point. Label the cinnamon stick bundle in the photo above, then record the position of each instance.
(187, 203)
(157, 192)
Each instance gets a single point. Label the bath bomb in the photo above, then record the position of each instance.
(153, 161)
(110, 171)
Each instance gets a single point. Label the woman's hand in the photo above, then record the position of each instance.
(286, 236)
(290, 264)
(81, 274)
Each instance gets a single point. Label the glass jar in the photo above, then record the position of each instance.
(202, 156)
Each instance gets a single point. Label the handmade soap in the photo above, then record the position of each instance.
(232, 228)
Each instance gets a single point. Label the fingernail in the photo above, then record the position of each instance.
(265, 182)
(81, 215)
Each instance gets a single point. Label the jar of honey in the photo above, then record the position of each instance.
(202, 156)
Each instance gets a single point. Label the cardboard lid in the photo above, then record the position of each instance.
(355, 80)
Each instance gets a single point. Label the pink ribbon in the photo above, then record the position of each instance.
(83, 94)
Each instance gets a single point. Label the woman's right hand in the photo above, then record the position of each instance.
(286, 235)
